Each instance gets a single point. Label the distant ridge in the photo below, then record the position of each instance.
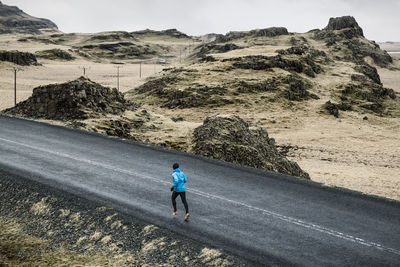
(14, 20)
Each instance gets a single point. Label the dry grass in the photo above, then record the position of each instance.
(18, 248)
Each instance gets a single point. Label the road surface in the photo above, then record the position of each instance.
(262, 216)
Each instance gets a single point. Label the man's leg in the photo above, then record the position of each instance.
(173, 198)
(183, 197)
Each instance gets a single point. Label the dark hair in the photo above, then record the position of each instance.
(175, 166)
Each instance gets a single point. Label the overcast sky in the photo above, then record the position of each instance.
(380, 20)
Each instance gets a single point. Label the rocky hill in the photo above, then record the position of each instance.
(14, 20)
(272, 65)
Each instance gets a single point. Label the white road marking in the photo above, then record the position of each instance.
(276, 215)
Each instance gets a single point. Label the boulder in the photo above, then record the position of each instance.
(233, 140)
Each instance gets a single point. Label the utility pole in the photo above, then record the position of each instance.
(118, 76)
(15, 70)
(140, 69)
(84, 68)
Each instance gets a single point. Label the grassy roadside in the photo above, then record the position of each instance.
(42, 226)
(18, 248)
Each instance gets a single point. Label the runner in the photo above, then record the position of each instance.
(178, 189)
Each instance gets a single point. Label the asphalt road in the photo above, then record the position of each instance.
(262, 216)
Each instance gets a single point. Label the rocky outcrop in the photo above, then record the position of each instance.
(78, 99)
(189, 97)
(340, 28)
(305, 64)
(119, 50)
(360, 50)
(169, 32)
(367, 95)
(233, 140)
(203, 50)
(19, 58)
(297, 89)
(344, 34)
(347, 23)
(112, 36)
(55, 54)
(267, 32)
(368, 71)
(14, 20)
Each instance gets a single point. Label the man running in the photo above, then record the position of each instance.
(178, 189)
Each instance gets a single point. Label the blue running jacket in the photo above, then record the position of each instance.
(179, 180)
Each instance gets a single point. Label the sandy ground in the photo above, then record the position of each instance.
(361, 155)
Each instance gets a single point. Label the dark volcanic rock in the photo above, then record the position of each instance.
(190, 97)
(345, 22)
(119, 50)
(344, 33)
(369, 71)
(112, 36)
(340, 28)
(268, 32)
(210, 48)
(19, 58)
(367, 95)
(297, 89)
(371, 49)
(231, 139)
(14, 20)
(78, 99)
(304, 64)
(169, 32)
(55, 54)
(332, 108)
(262, 86)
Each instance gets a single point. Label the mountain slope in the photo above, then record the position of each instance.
(14, 20)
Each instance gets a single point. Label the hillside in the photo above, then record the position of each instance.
(321, 95)
(14, 20)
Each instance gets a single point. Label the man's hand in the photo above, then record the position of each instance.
(172, 189)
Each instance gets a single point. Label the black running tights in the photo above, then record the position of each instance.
(183, 197)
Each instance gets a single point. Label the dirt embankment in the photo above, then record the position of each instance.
(41, 226)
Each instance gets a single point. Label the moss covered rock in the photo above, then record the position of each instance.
(233, 140)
